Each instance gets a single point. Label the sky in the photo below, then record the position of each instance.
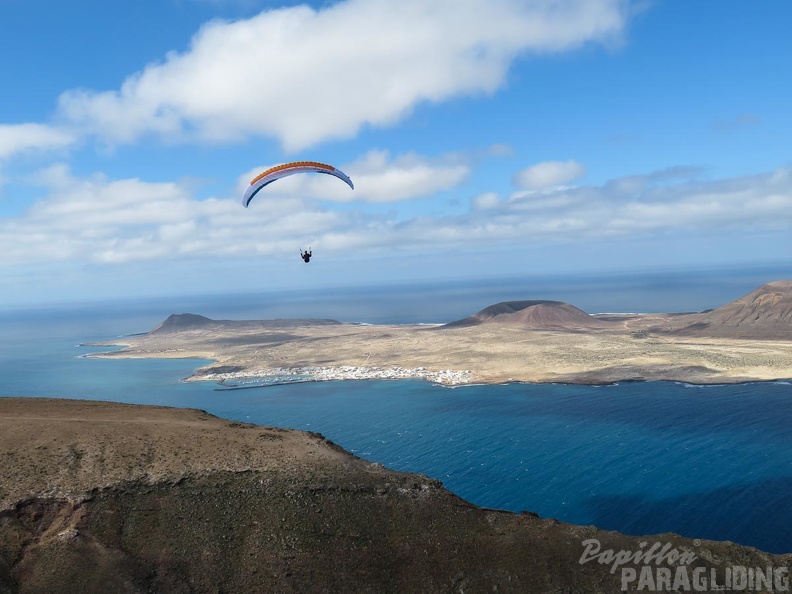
(485, 138)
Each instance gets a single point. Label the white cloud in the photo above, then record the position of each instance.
(665, 201)
(116, 221)
(304, 75)
(378, 178)
(104, 220)
(659, 204)
(16, 138)
(548, 174)
(486, 201)
(120, 221)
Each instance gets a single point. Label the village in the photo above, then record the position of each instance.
(447, 377)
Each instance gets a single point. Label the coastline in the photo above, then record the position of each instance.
(112, 493)
(446, 377)
(492, 354)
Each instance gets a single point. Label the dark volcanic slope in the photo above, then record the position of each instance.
(100, 497)
(194, 322)
(538, 314)
(765, 313)
(185, 321)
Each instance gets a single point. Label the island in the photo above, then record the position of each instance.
(749, 339)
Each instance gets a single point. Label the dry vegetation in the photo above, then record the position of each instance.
(55, 448)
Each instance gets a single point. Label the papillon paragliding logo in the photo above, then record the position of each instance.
(280, 171)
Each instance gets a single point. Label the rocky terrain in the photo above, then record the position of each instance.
(101, 497)
(763, 314)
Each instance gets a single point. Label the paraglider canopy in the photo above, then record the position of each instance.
(276, 173)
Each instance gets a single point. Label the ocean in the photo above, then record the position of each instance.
(710, 462)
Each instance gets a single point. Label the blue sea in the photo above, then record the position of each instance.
(710, 462)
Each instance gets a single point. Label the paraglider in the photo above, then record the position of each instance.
(276, 173)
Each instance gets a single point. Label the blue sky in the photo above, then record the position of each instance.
(486, 138)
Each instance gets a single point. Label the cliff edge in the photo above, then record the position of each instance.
(100, 497)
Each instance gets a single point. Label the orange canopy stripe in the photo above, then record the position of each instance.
(290, 166)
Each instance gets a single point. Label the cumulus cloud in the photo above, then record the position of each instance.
(303, 75)
(548, 174)
(16, 138)
(379, 178)
(670, 202)
(98, 219)
(115, 221)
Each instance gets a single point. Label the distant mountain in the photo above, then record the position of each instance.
(537, 314)
(765, 313)
(770, 304)
(188, 321)
(185, 321)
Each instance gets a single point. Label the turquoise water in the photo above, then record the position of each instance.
(642, 458)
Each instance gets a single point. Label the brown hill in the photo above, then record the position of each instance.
(185, 321)
(765, 313)
(537, 314)
(102, 497)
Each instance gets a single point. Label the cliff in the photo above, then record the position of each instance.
(101, 497)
